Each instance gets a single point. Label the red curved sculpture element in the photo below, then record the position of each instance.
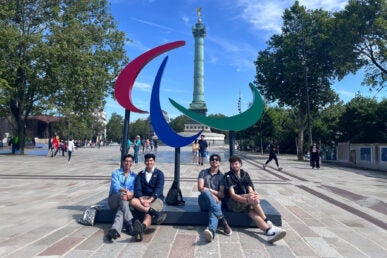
(125, 81)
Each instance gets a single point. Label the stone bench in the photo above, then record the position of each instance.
(190, 214)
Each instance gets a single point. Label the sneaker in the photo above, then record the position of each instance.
(226, 228)
(275, 234)
(139, 230)
(269, 223)
(159, 218)
(130, 230)
(209, 234)
(112, 234)
(279, 169)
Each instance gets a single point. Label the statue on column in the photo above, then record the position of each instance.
(198, 10)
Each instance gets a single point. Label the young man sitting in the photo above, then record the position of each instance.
(241, 197)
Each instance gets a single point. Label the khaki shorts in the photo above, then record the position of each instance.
(157, 204)
(237, 206)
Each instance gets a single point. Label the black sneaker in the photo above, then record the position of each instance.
(130, 230)
(159, 218)
(112, 234)
(139, 230)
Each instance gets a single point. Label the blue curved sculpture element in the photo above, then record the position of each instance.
(159, 124)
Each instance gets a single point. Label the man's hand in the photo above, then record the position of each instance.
(253, 198)
(146, 202)
(215, 198)
(126, 195)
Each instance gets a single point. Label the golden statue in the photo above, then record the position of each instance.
(198, 10)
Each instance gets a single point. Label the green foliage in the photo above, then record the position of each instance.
(177, 124)
(364, 121)
(115, 128)
(140, 127)
(57, 56)
(296, 68)
(276, 123)
(360, 31)
(326, 123)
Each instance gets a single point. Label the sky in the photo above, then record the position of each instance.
(236, 31)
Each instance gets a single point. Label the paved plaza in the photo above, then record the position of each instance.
(331, 212)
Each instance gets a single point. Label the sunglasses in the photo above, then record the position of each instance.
(214, 159)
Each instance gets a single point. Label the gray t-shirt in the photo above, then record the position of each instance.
(213, 182)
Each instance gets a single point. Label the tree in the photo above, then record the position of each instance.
(297, 67)
(361, 40)
(140, 127)
(364, 121)
(57, 55)
(326, 123)
(115, 127)
(177, 124)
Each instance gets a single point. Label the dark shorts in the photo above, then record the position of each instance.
(202, 153)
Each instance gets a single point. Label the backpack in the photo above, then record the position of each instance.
(174, 196)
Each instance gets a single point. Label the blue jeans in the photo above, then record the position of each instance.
(208, 203)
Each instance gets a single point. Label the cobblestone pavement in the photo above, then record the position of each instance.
(330, 212)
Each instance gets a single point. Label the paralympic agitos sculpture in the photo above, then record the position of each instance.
(123, 90)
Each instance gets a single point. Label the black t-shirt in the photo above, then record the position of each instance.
(239, 184)
(202, 145)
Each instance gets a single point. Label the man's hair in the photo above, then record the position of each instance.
(234, 158)
(149, 156)
(127, 156)
(215, 155)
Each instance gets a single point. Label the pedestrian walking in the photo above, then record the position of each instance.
(272, 147)
(70, 149)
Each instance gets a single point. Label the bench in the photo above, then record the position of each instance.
(190, 214)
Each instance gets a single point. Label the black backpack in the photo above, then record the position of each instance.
(174, 196)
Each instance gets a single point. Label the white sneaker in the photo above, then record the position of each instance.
(209, 235)
(275, 234)
(269, 223)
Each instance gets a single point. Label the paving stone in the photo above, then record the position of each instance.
(183, 246)
(62, 247)
(58, 194)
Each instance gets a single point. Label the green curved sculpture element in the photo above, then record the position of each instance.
(233, 123)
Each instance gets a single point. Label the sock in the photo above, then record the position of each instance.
(152, 212)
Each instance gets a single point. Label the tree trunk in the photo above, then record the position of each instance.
(21, 132)
(301, 126)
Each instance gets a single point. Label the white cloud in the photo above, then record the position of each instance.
(152, 24)
(137, 45)
(142, 86)
(237, 53)
(267, 15)
(186, 20)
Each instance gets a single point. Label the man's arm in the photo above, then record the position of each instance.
(237, 197)
(158, 190)
(201, 187)
(115, 183)
(137, 186)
